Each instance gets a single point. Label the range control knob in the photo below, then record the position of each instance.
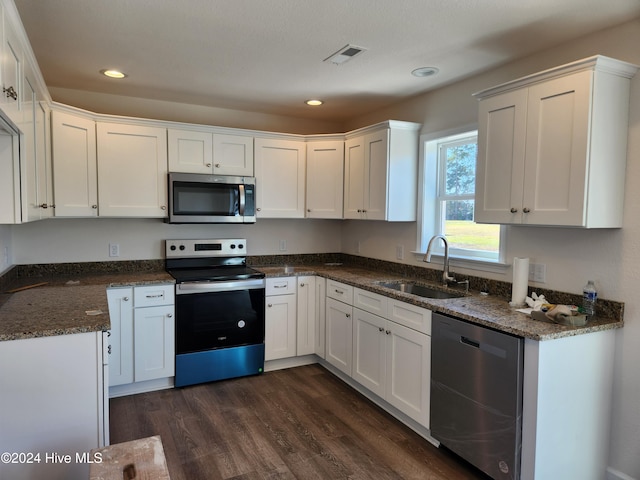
(240, 246)
(182, 247)
(232, 246)
(172, 248)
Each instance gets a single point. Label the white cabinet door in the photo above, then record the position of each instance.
(196, 151)
(12, 59)
(280, 178)
(154, 343)
(233, 155)
(132, 170)
(307, 315)
(280, 327)
(408, 355)
(339, 346)
(376, 166)
(75, 180)
(354, 168)
(325, 174)
(190, 151)
(120, 336)
(321, 319)
(556, 159)
(369, 351)
(381, 173)
(501, 153)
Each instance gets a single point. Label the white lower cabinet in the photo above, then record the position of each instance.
(390, 359)
(142, 335)
(280, 318)
(339, 345)
(307, 315)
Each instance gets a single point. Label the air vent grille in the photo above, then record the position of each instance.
(345, 54)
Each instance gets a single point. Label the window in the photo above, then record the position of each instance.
(449, 172)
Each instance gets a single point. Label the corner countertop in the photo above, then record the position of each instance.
(64, 305)
(487, 310)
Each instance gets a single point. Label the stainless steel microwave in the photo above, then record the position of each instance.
(201, 198)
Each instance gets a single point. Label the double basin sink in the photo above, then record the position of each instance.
(420, 290)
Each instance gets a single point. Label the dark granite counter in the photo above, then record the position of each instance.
(65, 304)
(488, 310)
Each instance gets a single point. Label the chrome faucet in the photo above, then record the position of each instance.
(446, 278)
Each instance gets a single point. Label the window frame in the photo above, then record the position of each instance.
(429, 206)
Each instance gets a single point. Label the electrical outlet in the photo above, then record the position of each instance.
(538, 272)
(114, 249)
(400, 252)
(283, 245)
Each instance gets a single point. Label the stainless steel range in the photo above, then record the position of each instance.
(219, 310)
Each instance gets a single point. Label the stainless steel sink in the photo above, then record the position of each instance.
(420, 290)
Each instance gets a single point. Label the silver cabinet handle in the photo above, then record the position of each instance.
(217, 165)
(126, 299)
(526, 210)
(94, 207)
(339, 292)
(158, 295)
(387, 332)
(302, 284)
(514, 210)
(109, 349)
(269, 305)
(44, 205)
(163, 207)
(208, 165)
(170, 315)
(348, 315)
(380, 329)
(280, 286)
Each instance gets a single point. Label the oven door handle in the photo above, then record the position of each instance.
(225, 286)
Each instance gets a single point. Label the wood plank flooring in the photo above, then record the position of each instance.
(299, 423)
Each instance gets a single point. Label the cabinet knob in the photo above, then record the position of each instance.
(170, 315)
(359, 211)
(387, 332)
(125, 299)
(109, 349)
(526, 210)
(380, 329)
(53, 205)
(163, 207)
(208, 165)
(258, 209)
(348, 315)
(309, 210)
(95, 207)
(302, 284)
(44, 205)
(217, 165)
(269, 305)
(10, 92)
(514, 210)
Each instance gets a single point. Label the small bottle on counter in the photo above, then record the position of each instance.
(589, 297)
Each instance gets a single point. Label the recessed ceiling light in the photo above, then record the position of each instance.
(113, 73)
(424, 71)
(314, 103)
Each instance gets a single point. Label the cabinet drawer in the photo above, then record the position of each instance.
(340, 291)
(154, 295)
(370, 302)
(409, 315)
(281, 286)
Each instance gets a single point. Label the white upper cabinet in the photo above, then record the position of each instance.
(75, 183)
(132, 170)
(552, 147)
(381, 172)
(325, 173)
(280, 178)
(192, 151)
(11, 68)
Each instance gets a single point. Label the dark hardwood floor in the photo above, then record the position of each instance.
(299, 423)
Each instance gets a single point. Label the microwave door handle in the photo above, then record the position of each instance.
(242, 200)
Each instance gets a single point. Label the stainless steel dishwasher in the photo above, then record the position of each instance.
(476, 394)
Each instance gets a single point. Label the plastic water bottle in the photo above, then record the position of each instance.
(589, 297)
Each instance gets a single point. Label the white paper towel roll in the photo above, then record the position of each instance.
(520, 281)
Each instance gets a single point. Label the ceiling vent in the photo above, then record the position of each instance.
(345, 54)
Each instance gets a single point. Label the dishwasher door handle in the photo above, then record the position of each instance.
(468, 341)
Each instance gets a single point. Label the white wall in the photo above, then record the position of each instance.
(6, 259)
(610, 257)
(87, 240)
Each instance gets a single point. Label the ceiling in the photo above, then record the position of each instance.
(267, 55)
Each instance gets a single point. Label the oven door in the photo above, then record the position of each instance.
(212, 315)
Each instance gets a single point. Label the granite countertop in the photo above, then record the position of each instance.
(490, 311)
(64, 304)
